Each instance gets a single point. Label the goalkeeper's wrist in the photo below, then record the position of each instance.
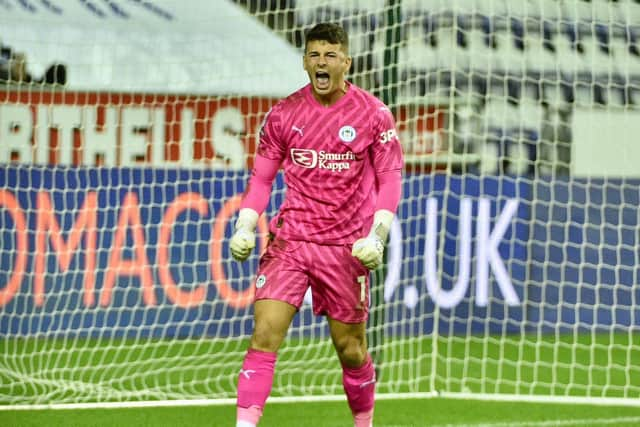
(247, 219)
(381, 225)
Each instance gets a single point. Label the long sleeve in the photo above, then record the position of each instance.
(389, 190)
(258, 192)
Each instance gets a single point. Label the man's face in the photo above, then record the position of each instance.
(326, 64)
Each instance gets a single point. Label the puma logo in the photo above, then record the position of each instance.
(247, 373)
(366, 383)
(297, 129)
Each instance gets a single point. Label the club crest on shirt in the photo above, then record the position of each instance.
(347, 133)
(262, 279)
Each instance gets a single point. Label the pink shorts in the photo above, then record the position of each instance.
(339, 282)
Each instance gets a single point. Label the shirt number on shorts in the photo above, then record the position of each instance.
(362, 280)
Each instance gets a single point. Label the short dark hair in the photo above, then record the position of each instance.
(329, 32)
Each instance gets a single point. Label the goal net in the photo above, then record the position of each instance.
(127, 132)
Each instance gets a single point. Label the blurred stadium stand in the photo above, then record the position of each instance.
(570, 41)
(505, 60)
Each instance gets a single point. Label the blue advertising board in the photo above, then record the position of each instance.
(143, 252)
(584, 252)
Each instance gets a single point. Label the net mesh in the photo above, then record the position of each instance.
(512, 266)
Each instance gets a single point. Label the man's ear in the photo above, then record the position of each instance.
(348, 61)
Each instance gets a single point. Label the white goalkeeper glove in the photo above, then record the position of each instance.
(369, 250)
(244, 238)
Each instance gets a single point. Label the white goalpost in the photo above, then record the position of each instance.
(513, 266)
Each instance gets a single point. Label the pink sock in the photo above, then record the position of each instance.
(250, 416)
(363, 419)
(359, 386)
(254, 384)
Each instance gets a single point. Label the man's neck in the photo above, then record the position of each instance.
(333, 97)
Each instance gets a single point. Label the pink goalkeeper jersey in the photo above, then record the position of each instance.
(330, 156)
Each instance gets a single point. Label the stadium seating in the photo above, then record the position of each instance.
(537, 54)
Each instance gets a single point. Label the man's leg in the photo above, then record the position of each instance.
(271, 321)
(358, 374)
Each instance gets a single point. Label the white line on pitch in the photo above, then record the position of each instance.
(554, 423)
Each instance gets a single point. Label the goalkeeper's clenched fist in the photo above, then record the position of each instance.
(369, 250)
(244, 237)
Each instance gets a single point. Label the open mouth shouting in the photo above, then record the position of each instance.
(323, 80)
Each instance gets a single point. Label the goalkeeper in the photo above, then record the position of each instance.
(342, 164)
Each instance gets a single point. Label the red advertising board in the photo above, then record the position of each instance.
(124, 129)
(120, 129)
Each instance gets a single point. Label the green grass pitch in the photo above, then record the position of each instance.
(389, 413)
(47, 370)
